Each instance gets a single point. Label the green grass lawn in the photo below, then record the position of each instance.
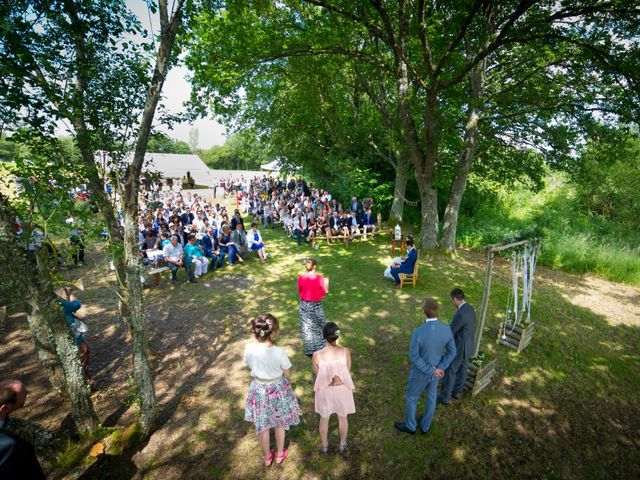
(566, 407)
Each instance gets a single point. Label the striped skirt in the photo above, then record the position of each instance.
(311, 325)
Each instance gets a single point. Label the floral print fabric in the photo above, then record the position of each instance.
(272, 404)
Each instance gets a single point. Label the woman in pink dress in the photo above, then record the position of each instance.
(334, 386)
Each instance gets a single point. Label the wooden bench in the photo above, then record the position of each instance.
(359, 236)
(335, 237)
(410, 278)
(157, 273)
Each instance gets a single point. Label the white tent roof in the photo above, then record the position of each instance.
(176, 165)
(273, 166)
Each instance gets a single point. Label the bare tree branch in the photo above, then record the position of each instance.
(518, 13)
(426, 49)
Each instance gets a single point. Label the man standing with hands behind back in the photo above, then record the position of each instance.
(461, 325)
(432, 350)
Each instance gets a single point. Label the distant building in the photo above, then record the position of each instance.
(176, 166)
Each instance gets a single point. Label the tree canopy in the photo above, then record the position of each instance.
(161, 143)
(497, 88)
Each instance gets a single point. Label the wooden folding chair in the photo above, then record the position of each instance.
(410, 278)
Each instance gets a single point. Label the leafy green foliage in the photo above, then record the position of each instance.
(244, 150)
(321, 80)
(603, 179)
(39, 58)
(7, 149)
(572, 239)
(161, 143)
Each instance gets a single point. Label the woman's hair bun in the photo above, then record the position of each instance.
(263, 326)
(331, 332)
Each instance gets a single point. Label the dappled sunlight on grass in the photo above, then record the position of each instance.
(458, 454)
(542, 376)
(563, 408)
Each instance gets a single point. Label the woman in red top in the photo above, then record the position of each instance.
(312, 287)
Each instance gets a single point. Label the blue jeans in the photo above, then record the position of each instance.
(213, 262)
(232, 254)
(415, 388)
(299, 235)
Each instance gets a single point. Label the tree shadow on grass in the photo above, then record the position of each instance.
(563, 408)
(186, 343)
(559, 409)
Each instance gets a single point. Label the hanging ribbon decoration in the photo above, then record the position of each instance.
(523, 265)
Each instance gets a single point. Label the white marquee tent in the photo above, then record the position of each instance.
(176, 165)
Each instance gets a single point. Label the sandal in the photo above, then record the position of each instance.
(280, 458)
(268, 460)
(342, 448)
(324, 449)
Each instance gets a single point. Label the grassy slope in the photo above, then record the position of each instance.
(564, 408)
(574, 241)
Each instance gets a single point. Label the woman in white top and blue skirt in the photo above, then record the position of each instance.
(271, 402)
(255, 242)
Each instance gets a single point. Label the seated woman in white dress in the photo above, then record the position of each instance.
(255, 242)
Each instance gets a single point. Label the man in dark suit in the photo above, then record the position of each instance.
(462, 325)
(186, 217)
(210, 246)
(17, 458)
(432, 350)
(356, 207)
(407, 264)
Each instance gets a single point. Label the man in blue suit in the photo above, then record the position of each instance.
(210, 247)
(432, 350)
(461, 325)
(407, 264)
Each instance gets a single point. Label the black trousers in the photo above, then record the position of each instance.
(78, 248)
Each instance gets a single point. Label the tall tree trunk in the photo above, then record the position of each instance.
(142, 370)
(12, 254)
(399, 190)
(471, 133)
(40, 295)
(402, 167)
(426, 172)
(99, 196)
(45, 349)
(142, 373)
(429, 213)
(87, 153)
(424, 161)
(47, 321)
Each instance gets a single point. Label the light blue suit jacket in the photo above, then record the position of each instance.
(432, 346)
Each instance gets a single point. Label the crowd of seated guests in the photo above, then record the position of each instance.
(192, 233)
(306, 212)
